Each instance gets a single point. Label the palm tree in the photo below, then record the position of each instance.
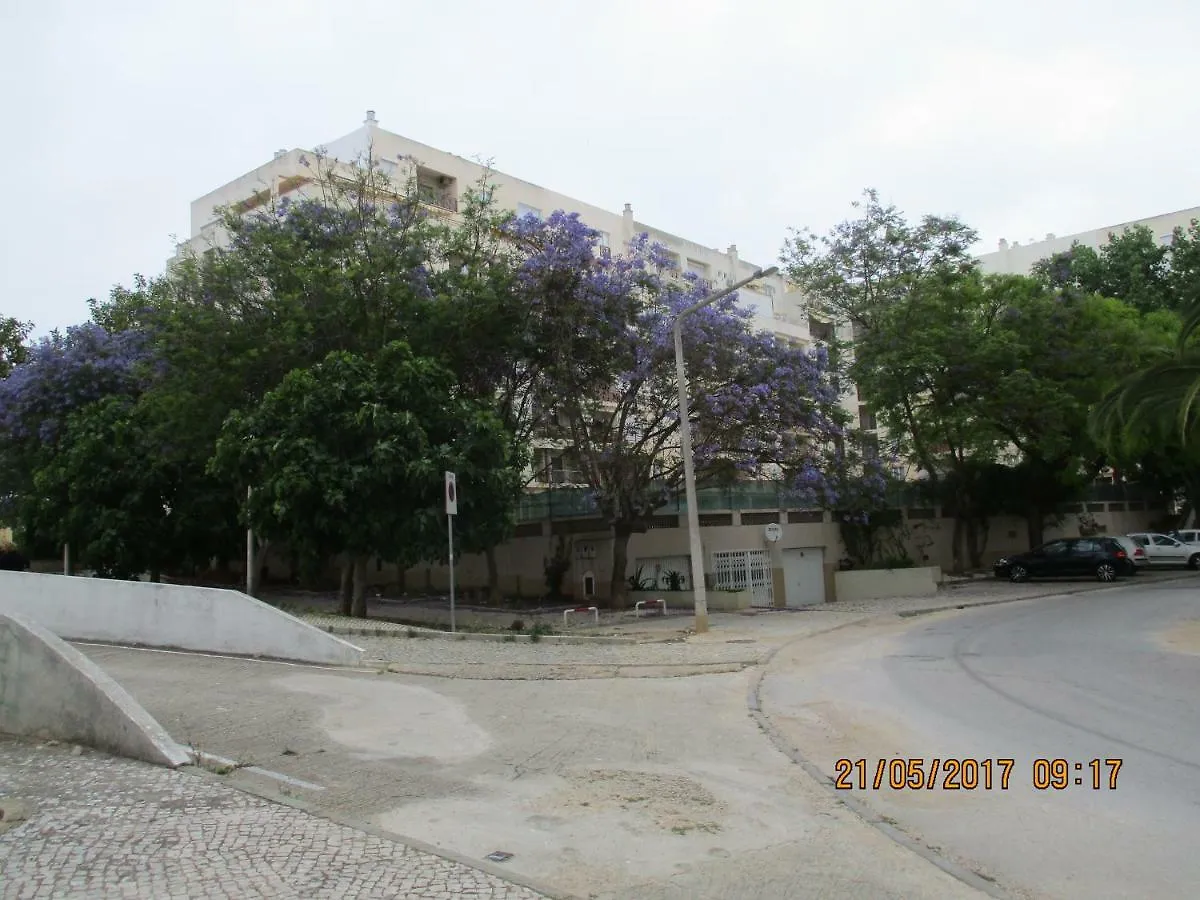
(1165, 396)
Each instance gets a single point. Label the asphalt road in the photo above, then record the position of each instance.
(1113, 675)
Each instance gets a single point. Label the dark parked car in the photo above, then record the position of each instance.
(1099, 557)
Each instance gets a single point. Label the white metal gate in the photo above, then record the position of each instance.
(740, 570)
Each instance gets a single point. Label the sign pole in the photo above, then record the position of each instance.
(450, 535)
(451, 512)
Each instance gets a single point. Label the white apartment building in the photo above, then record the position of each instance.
(441, 178)
(1018, 259)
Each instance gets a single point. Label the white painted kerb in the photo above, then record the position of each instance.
(210, 620)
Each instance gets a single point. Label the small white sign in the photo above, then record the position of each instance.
(451, 495)
(774, 532)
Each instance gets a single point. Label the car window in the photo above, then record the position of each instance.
(1084, 547)
(1054, 548)
(1161, 540)
(1188, 537)
(1140, 539)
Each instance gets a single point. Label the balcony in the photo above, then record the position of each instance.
(431, 196)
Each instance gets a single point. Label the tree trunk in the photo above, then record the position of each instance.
(260, 566)
(401, 580)
(977, 538)
(493, 577)
(358, 602)
(1035, 524)
(619, 586)
(344, 588)
(956, 545)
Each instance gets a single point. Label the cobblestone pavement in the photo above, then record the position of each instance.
(105, 828)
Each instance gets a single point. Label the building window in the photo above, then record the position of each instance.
(524, 209)
(866, 419)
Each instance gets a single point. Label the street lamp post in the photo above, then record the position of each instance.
(699, 588)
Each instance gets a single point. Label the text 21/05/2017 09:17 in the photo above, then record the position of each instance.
(967, 774)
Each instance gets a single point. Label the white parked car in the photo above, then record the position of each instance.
(1189, 536)
(1164, 550)
(1133, 552)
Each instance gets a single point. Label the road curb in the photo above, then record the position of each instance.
(908, 613)
(856, 806)
(495, 637)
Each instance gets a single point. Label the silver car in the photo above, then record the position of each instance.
(1164, 550)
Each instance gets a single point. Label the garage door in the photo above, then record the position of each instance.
(804, 576)
(740, 570)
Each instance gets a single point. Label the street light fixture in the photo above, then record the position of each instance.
(699, 588)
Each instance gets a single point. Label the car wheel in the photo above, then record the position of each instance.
(1018, 573)
(1106, 572)
(1194, 561)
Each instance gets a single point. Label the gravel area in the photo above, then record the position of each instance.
(449, 652)
(99, 827)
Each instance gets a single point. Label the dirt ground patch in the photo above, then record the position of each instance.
(1183, 637)
(673, 803)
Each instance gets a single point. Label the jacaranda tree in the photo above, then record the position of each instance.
(758, 406)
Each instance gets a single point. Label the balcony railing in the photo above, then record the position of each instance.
(441, 199)
(569, 502)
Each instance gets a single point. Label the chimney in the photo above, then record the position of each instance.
(1049, 235)
(280, 154)
(1003, 244)
(370, 121)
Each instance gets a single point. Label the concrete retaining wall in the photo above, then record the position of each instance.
(49, 690)
(210, 620)
(718, 601)
(871, 584)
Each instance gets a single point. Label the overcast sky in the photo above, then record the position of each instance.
(724, 121)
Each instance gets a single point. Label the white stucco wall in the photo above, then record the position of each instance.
(49, 690)
(209, 620)
(873, 584)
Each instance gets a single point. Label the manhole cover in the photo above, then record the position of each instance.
(741, 641)
(499, 856)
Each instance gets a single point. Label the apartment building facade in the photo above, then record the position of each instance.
(1016, 258)
(737, 555)
(441, 178)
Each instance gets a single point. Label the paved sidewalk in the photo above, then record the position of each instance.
(101, 827)
(669, 649)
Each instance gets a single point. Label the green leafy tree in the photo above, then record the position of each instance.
(1134, 267)
(866, 265)
(348, 455)
(922, 368)
(1065, 351)
(13, 349)
(121, 512)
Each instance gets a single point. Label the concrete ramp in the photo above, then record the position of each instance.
(51, 691)
(173, 616)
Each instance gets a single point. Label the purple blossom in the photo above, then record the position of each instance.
(65, 371)
(756, 403)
